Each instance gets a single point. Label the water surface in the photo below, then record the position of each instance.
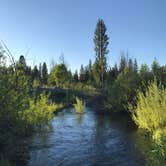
(90, 139)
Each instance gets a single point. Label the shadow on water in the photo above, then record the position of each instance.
(85, 140)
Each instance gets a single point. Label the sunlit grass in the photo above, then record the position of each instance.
(79, 106)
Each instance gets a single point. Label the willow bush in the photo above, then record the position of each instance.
(40, 112)
(150, 114)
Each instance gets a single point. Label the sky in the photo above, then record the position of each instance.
(43, 30)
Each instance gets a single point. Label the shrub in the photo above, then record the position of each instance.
(79, 106)
(150, 115)
(122, 91)
(40, 112)
(150, 112)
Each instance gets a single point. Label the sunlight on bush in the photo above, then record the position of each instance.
(150, 115)
(79, 106)
(40, 112)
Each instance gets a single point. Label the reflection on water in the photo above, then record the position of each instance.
(79, 118)
(85, 140)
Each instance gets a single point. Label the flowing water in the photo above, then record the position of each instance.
(90, 139)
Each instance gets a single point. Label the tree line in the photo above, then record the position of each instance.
(137, 91)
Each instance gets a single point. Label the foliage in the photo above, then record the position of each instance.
(75, 76)
(79, 106)
(82, 76)
(44, 73)
(101, 44)
(122, 91)
(59, 75)
(150, 115)
(150, 112)
(40, 112)
(19, 114)
(84, 88)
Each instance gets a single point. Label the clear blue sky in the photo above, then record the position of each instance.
(52, 27)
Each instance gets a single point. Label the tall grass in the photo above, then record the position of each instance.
(79, 106)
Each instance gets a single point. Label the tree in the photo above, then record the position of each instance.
(82, 74)
(75, 76)
(44, 73)
(135, 66)
(35, 77)
(156, 71)
(123, 62)
(35, 73)
(113, 73)
(90, 71)
(130, 65)
(122, 91)
(40, 74)
(59, 75)
(21, 63)
(101, 44)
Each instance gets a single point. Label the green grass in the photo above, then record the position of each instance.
(79, 106)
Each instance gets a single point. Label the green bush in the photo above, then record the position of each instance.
(150, 115)
(150, 112)
(79, 106)
(122, 91)
(40, 112)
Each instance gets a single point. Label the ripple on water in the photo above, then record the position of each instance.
(85, 140)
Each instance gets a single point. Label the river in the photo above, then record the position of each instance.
(90, 139)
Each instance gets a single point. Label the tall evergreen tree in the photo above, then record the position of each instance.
(40, 73)
(130, 65)
(155, 67)
(44, 73)
(82, 74)
(90, 71)
(135, 65)
(86, 78)
(21, 65)
(101, 44)
(35, 73)
(123, 62)
(75, 76)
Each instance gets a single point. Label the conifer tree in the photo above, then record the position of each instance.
(75, 76)
(135, 65)
(44, 73)
(101, 44)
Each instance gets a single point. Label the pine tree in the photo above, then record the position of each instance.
(135, 66)
(75, 76)
(35, 77)
(86, 78)
(101, 44)
(40, 74)
(130, 65)
(90, 71)
(123, 62)
(21, 65)
(44, 73)
(82, 74)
